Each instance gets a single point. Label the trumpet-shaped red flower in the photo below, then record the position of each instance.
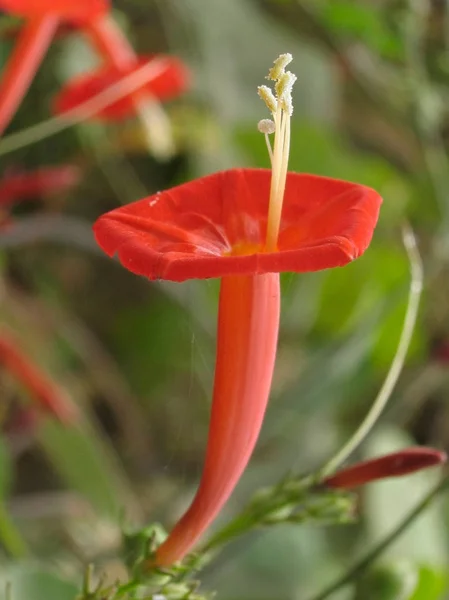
(397, 464)
(47, 395)
(43, 16)
(217, 225)
(244, 226)
(21, 185)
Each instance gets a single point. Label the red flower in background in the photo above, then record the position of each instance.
(18, 185)
(120, 60)
(245, 226)
(78, 11)
(49, 397)
(169, 83)
(43, 16)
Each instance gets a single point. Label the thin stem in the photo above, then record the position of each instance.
(33, 42)
(10, 536)
(85, 110)
(269, 148)
(391, 379)
(373, 554)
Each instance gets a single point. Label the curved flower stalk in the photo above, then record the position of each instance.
(121, 60)
(43, 18)
(46, 394)
(244, 226)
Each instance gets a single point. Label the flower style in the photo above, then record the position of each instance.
(396, 464)
(43, 16)
(120, 60)
(244, 226)
(47, 395)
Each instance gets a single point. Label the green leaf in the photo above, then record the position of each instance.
(363, 22)
(157, 334)
(32, 584)
(431, 584)
(392, 581)
(85, 465)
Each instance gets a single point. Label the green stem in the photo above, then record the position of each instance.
(392, 377)
(10, 537)
(373, 554)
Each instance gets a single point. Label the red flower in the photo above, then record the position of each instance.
(396, 464)
(216, 226)
(44, 17)
(120, 61)
(79, 10)
(245, 226)
(21, 185)
(169, 83)
(48, 396)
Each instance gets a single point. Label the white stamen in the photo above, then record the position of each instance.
(281, 107)
(279, 65)
(268, 97)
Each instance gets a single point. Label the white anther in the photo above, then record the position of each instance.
(266, 126)
(268, 97)
(279, 65)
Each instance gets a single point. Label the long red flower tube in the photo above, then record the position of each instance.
(244, 226)
(47, 395)
(34, 39)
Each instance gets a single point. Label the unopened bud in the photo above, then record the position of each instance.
(396, 464)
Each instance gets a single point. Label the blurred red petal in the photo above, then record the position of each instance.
(48, 396)
(10, 32)
(216, 226)
(396, 464)
(21, 185)
(170, 83)
(76, 10)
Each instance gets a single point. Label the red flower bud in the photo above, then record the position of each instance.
(396, 464)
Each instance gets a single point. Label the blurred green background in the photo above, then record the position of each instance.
(371, 105)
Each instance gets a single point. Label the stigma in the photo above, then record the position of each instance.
(279, 103)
